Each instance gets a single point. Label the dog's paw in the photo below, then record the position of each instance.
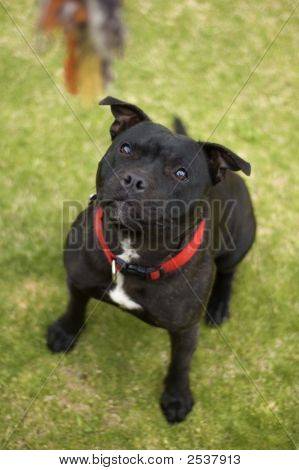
(58, 340)
(176, 406)
(217, 314)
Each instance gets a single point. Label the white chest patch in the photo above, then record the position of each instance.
(118, 294)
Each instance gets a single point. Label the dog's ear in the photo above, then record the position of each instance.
(126, 115)
(220, 159)
(178, 126)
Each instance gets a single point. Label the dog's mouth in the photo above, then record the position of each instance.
(120, 210)
(126, 213)
(134, 214)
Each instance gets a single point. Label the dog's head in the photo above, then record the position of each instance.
(151, 173)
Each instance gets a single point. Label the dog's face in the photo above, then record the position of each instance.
(153, 176)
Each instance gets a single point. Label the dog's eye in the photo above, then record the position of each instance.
(125, 149)
(181, 174)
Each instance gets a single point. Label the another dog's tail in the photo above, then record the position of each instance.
(178, 126)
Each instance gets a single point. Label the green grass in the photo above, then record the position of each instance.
(188, 58)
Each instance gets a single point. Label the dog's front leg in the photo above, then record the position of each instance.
(176, 400)
(64, 332)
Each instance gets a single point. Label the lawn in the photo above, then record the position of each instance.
(191, 59)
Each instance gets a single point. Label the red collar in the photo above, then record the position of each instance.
(152, 273)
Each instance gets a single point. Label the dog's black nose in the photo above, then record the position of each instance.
(133, 182)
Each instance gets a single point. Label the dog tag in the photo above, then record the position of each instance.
(114, 271)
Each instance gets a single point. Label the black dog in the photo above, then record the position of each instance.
(161, 239)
